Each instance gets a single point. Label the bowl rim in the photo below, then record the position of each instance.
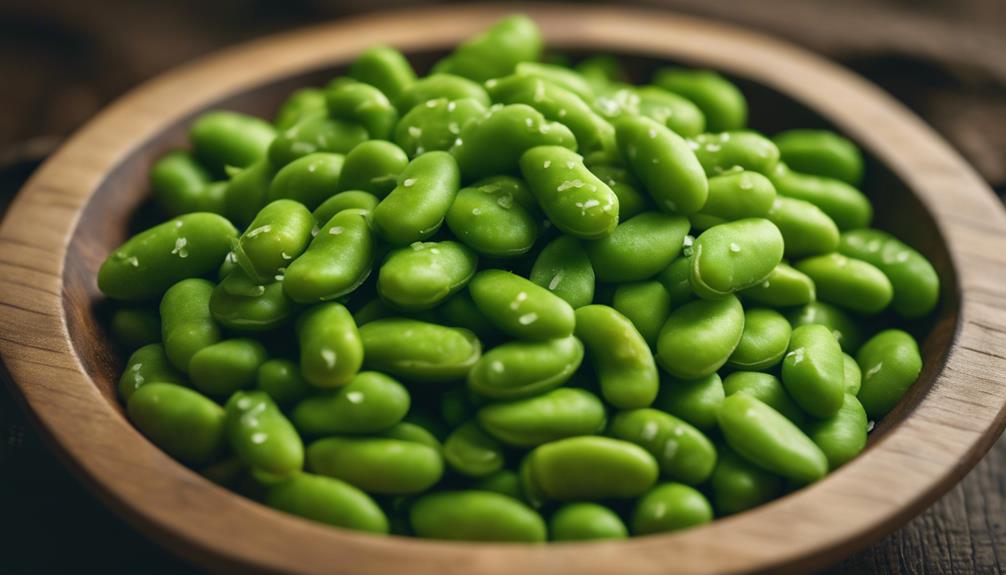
(937, 441)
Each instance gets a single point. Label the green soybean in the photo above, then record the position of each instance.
(664, 162)
(135, 327)
(766, 438)
(374, 166)
(384, 68)
(695, 401)
(738, 485)
(529, 422)
(315, 134)
(677, 113)
(575, 200)
(281, 379)
(764, 341)
(682, 451)
(422, 275)
(822, 153)
(336, 262)
(785, 287)
(372, 402)
(301, 104)
(222, 138)
(848, 282)
(589, 467)
(277, 235)
(586, 522)
(699, 337)
(186, 323)
(470, 451)
(377, 465)
(638, 248)
(814, 370)
(733, 256)
(843, 435)
(416, 208)
(419, 351)
(853, 375)
(437, 124)
(670, 507)
(331, 348)
(844, 204)
(806, 230)
(621, 358)
(520, 307)
(891, 363)
(845, 329)
(505, 482)
(327, 500)
(148, 364)
(524, 368)
(564, 268)
(475, 516)
(440, 86)
(646, 304)
(631, 201)
(261, 436)
(415, 433)
(491, 218)
(735, 195)
(226, 366)
(460, 310)
(247, 192)
(676, 278)
(362, 104)
(309, 180)
(558, 75)
(181, 185)
(352, 199)
(728, 151)
(240, 304)
(914, 281)
(722, 104)
(150, 262)
(496, 51)
(766, 388)
(183, 423)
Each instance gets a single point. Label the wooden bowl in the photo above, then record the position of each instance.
(77, 207)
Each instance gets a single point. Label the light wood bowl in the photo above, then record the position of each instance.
(77, 207)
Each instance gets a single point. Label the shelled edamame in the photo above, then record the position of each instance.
(513, 301)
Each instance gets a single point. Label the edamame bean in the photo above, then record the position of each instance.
(520, 307)
(384, 68)
(148, 364)
(238, 303)
(589, 467)
(185, 424)
(247, 192)
(843, 435)
(851, 283)
(733, 256)
(470, 451)
(460, 310)
(813, 370)
(226, 366)
(406, 431)
(575, 200)
(281, 379)
(310, 180)
(638, 248)
(277, 235)
(186, 323)
(331, 348)
(891, 363)
(699, 337)
(336, 262)
(722, 104)
(845, 329)
(181, 185)
(261, 436)
(914, 281)
(353, 199)
(475, 516)
(457, 406)
(565, 270)
(505, 482)
(376, 464)
(315, 134)
(664, 162)
(135, 327)
(735, 195)
(646, 304)
(695, 401)
(362, 104)
(621, 358)
(586, 522)
(726, 151)
(631, 201)
(440, 86)
(822, 153)
(600, 70)
(670, 507)
(373, 166)
(806, 230)
(784, 287)
(437, 124)
(532, 421)
(853, 375)
(496, 51)
(150, 262)
(370, 403)
(496, 144)
(677, 113)
(419, 351)
(422, 275)
(524, 368)
(489, 218)
(416, 208)
(676, 278)
(738, 485)
(558, 75)
(844, 204)
(682, 451)
(222, 138)
(327, 500)
(766, 388)
(766, 438)
(301, 104)
(764, 341)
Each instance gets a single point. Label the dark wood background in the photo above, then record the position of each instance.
(62, 60)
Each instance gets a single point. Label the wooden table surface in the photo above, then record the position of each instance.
(947, 60)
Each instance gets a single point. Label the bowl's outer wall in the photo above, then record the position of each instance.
(87, 199)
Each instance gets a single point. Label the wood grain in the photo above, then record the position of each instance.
(78, 205)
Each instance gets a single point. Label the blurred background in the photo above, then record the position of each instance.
(62, 60)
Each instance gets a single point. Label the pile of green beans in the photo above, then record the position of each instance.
(513, 300)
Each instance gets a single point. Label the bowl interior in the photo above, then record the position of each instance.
(120, 207)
